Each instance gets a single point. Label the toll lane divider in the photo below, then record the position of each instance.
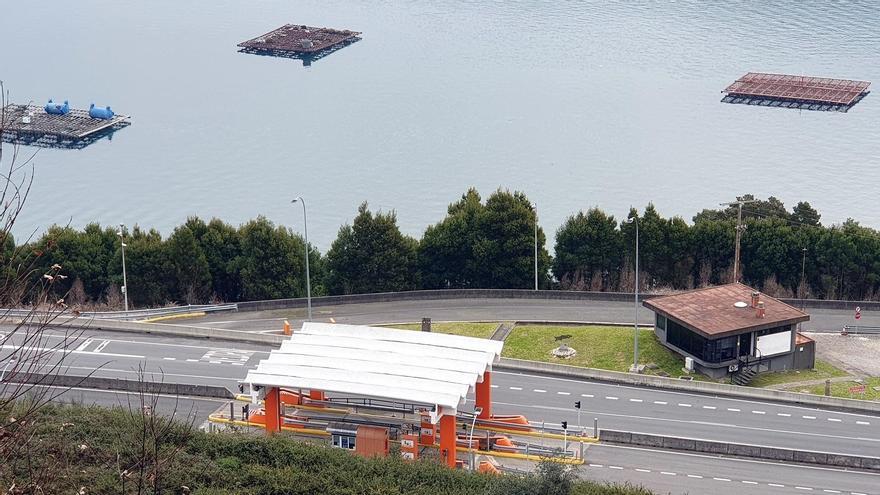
(707, 388)
(135, 386)
(740, 450)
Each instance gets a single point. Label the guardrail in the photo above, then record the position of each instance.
(859, 329)
(138, 314)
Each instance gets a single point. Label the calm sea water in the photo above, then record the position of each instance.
(577, 104)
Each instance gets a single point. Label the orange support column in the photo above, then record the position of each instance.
(447, 439)
(317, 395)
(483, 395)
(272, 406)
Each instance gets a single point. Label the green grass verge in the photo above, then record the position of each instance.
(841, 389)
(105, 451)
(467, 329)
(822, 371)
(602, 347)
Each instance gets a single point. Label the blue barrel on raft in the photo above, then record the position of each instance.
(100, 113)
(53, 108)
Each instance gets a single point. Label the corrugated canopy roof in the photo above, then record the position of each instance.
(409, 366)
(712, 312)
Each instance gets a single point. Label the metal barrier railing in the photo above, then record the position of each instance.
(860, 329)
(138, 314)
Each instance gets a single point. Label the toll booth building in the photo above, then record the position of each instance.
(732, 330)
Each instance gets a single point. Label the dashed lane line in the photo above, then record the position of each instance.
(862, 423)
(564, 393)
(721, 479)
(169, 359)
(615, 467)
(809, 417)
(836, 420)
(540, 391)
(733, 409)
(667, 473)
(775, 485)
(759, 412)
(697, 476)
(636, 400)
(805, 488)
(588, 396)
(681, 404)
(784, 415)
(747, 482)
(660, 402)
(710, 407)
(611, 398)
(643, 470)
(515, 388)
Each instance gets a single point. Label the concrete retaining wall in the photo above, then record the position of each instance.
(709, 388)
(427, 295)
(740, 450)
(169, 329)
(148, 387)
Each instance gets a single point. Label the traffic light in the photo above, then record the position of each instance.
(577, 404)
(565, 425)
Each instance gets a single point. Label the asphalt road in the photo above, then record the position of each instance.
(540, 398)
(482, 309)
(682, 473)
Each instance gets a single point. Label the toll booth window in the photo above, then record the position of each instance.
(343, 442)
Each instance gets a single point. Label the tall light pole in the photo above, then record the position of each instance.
(121, 234)
(306, 232)
(802, 287)
(535, 209)
(635, 366)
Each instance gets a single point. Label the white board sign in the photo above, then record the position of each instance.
(774, 343)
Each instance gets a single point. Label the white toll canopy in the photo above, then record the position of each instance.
(408, 366)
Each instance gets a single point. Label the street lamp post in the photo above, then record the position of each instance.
(306, 234)
(477, 412)
(635, 367)
(124, 278)
(535, 208)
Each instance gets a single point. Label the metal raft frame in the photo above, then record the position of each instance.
(74, 130)
(804, 92)
(286, 42)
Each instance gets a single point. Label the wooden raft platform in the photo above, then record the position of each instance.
(805, 92)
(74, 130)
(299, 41)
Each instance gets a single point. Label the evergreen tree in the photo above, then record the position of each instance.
(588, 246)
(371, 255)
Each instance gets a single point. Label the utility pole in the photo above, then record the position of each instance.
(535, 208)
(121, 234)
(739, 230)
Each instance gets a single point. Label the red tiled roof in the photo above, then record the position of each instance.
(711, 311)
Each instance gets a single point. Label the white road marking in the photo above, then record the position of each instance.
(731, 409)
(695, 476)
(803, 488)
(539, 391)
(776, 485)
(667, 473)
(856, 493)
(564, 393)
(697, 396)
(85, 344)
(862, 423)
(784, 415)
(750, 482)
(836, 420)
(709, 407)
(614, 467)
(493, 386)
(683, 405)
(758, 412)
(589, 396)
(643, 470)
(660, 402)
(831, 491)
(192, 360)
(169, 359)
(237, 364)
(101, 346)
(809, 417)
(636, 400)
(596, 465)
(70, 351)
(684, 421)
(215, 362)
(720, 479)
(610, 397)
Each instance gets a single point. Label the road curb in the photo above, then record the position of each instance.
(121, 384)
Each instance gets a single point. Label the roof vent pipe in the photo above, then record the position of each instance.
(756, 297)
(760, 312)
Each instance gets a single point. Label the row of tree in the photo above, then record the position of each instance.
(479, 244)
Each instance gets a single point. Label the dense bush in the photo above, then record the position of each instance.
(100, 449)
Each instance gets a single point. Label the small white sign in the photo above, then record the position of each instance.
(406, 443)
(409, 456)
